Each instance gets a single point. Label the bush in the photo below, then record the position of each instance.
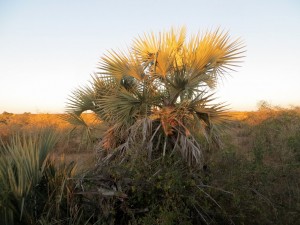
(164, 191)
(277, 137)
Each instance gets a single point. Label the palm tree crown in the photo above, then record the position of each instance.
(157, 95)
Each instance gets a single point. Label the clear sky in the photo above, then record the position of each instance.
(50, 47)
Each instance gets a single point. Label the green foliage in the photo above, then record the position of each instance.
(294, 144)
(164, 191)
(268, 186)
(231, 188)
(278, 135)
(22, 164)
(35, 189)
(271, 193)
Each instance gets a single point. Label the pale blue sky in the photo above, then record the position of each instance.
(48, 48)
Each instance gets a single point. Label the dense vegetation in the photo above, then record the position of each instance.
(253, 179)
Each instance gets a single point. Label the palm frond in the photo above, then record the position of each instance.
(82, 99)
(117, 64)
(74, 119)
(211, 55)
(146, 48)
(121, 106)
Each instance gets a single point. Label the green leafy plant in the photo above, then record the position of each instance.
(35, 187)
(22, 164)
(277, 135)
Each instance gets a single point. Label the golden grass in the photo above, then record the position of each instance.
(10, 123)
(72, 146)
(17, 122)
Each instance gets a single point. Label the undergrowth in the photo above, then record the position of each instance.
(254, 179)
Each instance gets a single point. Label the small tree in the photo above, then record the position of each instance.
(157, 96)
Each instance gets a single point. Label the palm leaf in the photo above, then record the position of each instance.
(117, 64)
(120, 106)
(82, 99)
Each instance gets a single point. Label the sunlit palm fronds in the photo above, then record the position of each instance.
(117, 65)
(166, 79)
(209, 56)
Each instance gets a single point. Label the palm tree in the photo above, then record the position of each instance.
(156, 97)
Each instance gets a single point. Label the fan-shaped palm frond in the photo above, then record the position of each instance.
(127, 108)
(82, 99)
(118, 65)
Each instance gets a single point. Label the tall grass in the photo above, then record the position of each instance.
(263, 174)
(276, 139)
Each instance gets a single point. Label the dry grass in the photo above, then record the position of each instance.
(73, 144)
(14, 122)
